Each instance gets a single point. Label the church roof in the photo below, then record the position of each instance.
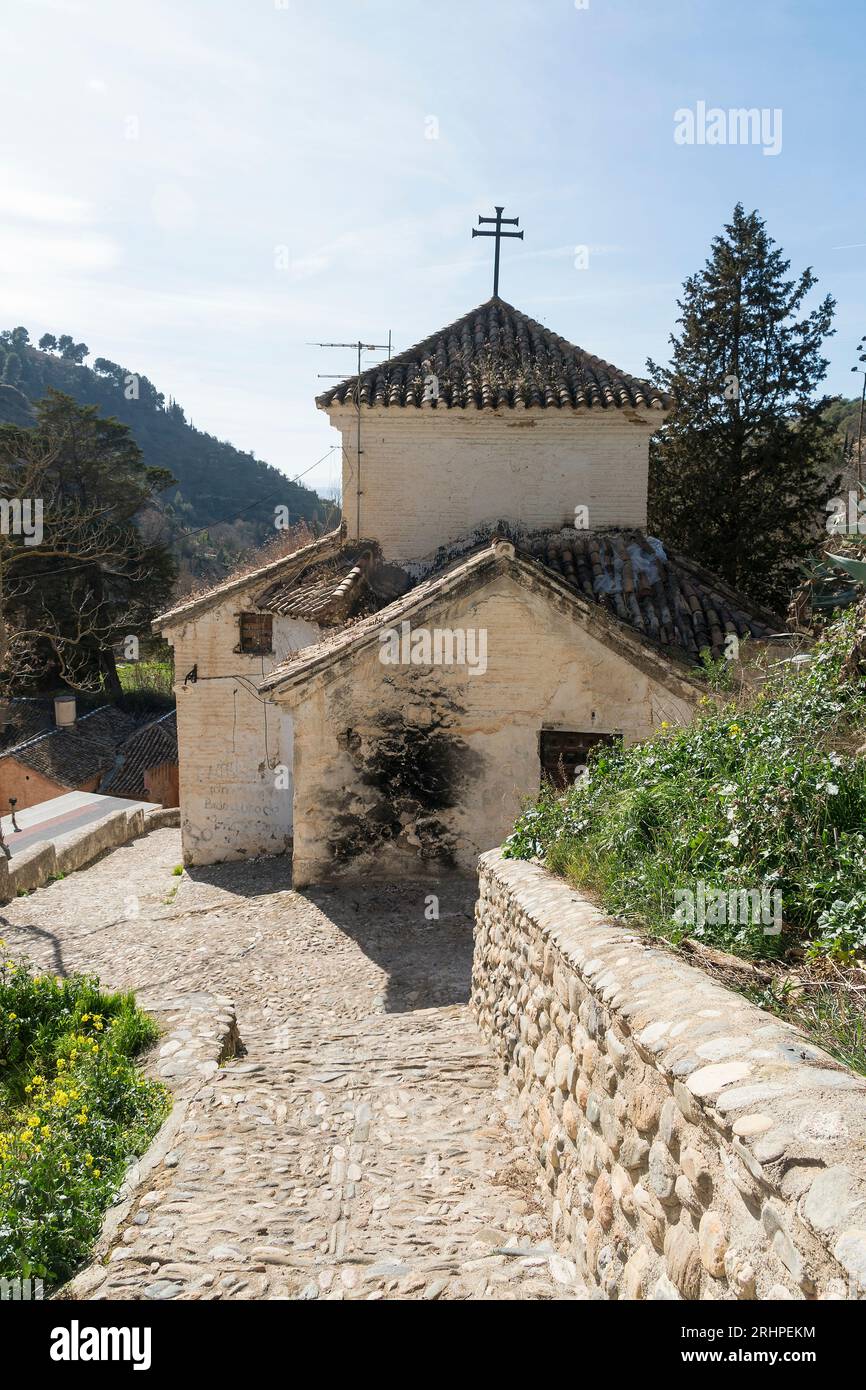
(622, 579)
(354, 580)
(248, 577)
(496, 357)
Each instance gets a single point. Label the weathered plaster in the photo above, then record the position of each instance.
(413, 768)
(234, 800)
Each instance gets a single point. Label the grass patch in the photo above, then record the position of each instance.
(74, 1109)
(146, 678)
(765, 795)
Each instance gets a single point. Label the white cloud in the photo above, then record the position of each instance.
(23, 253)
(35, 205)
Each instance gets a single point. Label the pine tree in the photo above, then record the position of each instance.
(739, 472)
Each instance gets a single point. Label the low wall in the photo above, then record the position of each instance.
(695, 1146)
(24, 872)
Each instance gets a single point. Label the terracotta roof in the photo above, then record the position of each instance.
(151, 746)
(23, 718)
(667, 602)
(249, 577)
(496, 357)
(71, 756)
(326, 592)
(665, 598)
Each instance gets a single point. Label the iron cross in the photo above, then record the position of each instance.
(499, 221)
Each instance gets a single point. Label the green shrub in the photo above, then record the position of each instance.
(742, 799)
(153, 678)
(73, 1110)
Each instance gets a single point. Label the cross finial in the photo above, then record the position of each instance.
(499, 221)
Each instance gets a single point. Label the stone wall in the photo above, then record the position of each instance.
(694, 1146)
(49, 859)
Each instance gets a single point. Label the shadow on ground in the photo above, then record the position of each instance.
(420, 934)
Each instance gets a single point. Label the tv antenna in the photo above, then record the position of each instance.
(359, 347)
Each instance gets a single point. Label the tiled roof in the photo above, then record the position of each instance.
(249, 577)
(71, 756)
(23, 718)
(323, 593)
(496, 357)
(666, 601)
(148, 747)
(665, 598)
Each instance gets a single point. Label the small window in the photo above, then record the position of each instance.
(257, 633)
(564, 755)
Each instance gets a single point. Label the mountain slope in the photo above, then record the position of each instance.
(223, 490)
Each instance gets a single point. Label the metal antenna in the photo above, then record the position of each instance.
(499, 222)
(359, 347)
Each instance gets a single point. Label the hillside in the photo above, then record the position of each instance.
(222, 505)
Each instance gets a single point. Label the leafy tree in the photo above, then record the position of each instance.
(740, 472)
(89, 576)
(76, 353)
(48, 343)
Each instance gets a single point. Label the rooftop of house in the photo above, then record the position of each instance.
(75, 754)
(287, 567)
(23, 718)
(150, 746)
(355, 579)
(494, 357)
(669, 603)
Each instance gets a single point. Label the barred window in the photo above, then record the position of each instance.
(257, 632)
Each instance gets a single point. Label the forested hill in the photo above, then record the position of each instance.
(225, 495)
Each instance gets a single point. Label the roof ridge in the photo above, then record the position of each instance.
(55, 729)
(495, 355)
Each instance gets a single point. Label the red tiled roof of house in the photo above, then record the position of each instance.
(73, 755)
(151, 746)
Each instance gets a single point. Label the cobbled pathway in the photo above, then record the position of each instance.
(364, 1146)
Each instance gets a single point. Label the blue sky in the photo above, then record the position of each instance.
(200, 189)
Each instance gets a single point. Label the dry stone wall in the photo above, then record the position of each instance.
(695, 1147)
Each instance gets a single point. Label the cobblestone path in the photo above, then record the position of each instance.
(365, 1145)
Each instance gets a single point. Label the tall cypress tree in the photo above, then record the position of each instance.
(739, 473)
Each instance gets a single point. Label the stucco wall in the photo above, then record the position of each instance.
(431, 476)
(30, 787)
(416, 768)
(235, 801)
(695, 1147)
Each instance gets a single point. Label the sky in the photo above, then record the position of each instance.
(202, 190)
